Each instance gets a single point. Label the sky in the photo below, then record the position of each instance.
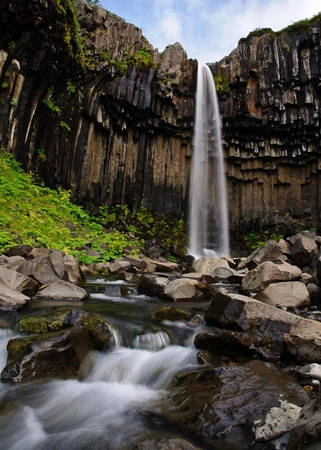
(208, 29)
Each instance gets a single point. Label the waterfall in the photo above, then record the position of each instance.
(208, 212)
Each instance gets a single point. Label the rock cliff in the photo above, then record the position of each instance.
(270, 88)
(88, 104)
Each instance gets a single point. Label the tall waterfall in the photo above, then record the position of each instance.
(208, 211)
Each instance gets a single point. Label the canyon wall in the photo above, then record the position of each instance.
(270, 88)
(88, 104)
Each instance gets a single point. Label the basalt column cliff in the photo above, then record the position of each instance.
(88, 104)
(270, 89)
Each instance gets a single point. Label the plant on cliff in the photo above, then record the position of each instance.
(43, 217)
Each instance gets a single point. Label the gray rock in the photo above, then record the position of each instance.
(285, 294)
(270, 251)
(303, 250)
(11, 298)
(119, 266)
(166, 444)
(62, 290)
(269, 272)
(40, 268)
(283, 332)
(72, 271)
(207, 265)
(182, 289)
(14, 262)
(18, 281)
(312, 370)
(152, 285)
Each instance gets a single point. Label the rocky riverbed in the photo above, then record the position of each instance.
(242, 336)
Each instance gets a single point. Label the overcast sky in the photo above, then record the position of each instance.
(208, 29)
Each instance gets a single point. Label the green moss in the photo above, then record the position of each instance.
(98, 329)
(221, 83)
(257, 32)
(302, 26)
(41, 324)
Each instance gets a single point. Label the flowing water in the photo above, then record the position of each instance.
(122, 395)
(208, 212)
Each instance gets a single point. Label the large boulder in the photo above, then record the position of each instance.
(304, 250)
(183, 289)
(285, 294)
(269, 272)
(270, 251)
(58, 354)
(207, 265)
(284, 333)
(18, 281)
(62, 290)
(230, 405)
(152, 285)
(11, 298)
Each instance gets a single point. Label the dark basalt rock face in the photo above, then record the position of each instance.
(271, 108)
(86, 103)
(109, 118)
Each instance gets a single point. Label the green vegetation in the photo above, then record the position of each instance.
(256, 32)
(256, 240)
(43, 217)
(303, 25)
(221, 83)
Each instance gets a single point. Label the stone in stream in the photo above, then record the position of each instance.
(62, 290)
(18, 281)
(285, 294)
(11, 298)
(228, 404)
(59, 354)
(283, 333)
(207, 265)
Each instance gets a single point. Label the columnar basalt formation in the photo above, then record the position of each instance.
(86, 103)
(106, 116)
(270, 99)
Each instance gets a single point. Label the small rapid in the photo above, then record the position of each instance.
(118, 401)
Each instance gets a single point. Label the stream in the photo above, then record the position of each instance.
(121, 397)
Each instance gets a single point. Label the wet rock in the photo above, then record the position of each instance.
(285, 294)
(223, 404)
(285, 333)
(43, 323)
(269, 272)
(62, 290)
(58, 355)
(166, 444)
(207, 265)
(18, 281)
(303, 250)
(311, 370)
(279, 420)
(170, 313)
(152, 285)
(11, 298)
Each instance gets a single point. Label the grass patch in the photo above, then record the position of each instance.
(42, 217)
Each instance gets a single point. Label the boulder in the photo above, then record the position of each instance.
(14, 262)
(72, 271)
(182, 289)
(269, 272)
(62, 290)
(285, 294)
(58, 355)
(162, 266)
(18, 281)
(303, 250)
(285, 247)
(222, 405)
(207, 265)
(170, 313)
(20, 250)
(284, 333)
(119, 266)
(165, 444)
(11, 298)
(314, 293)
(270, 251)
(152, 285)
(41, 269)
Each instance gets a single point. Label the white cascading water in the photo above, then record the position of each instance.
(208, 211)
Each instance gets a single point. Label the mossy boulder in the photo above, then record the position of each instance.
(57, 354)
(170, 313)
